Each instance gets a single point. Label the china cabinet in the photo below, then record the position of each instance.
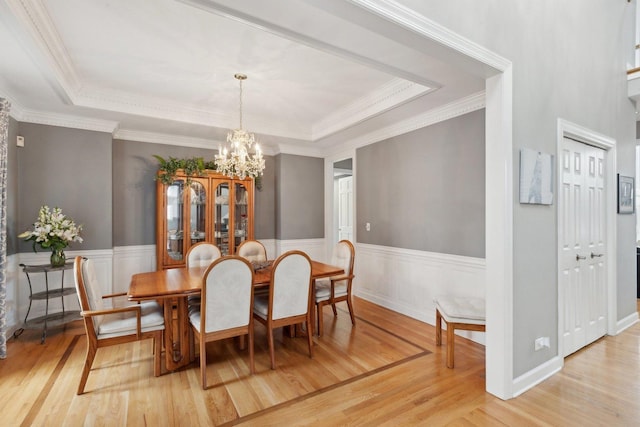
(212, 208)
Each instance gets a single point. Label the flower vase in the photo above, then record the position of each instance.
(57, 258)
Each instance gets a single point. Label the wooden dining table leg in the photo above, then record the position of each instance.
(176, 340)
(168, 335)
(184, 330)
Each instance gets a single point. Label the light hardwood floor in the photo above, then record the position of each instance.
(385, 371)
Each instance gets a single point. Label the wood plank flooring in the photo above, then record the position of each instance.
(384, 371)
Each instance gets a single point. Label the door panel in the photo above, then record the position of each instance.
(582, 278)
(345, 208)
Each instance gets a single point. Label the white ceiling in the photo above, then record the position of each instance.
(319, 73)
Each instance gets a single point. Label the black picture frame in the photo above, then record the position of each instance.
(626, 194)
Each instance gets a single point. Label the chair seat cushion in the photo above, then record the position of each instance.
(118, 324)
(323, 289)
(462, 309)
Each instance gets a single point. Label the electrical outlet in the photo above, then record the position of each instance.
(20, 141)
(540, 343)
(368, 226)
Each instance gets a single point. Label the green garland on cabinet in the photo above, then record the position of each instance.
(192, 167)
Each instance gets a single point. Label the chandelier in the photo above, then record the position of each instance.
(236, 161)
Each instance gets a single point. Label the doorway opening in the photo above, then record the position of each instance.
(343, 200)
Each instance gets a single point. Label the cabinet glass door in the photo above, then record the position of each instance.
(175, 220)
(241, 214)
(221, 217)
(198, 212)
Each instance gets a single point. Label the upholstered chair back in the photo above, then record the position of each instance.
(89, 295)
(227, 294)
(202, 254)
(343, 254)
(253, 251)
(291, 285)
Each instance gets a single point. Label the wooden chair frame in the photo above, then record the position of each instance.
(332, 298)
(93, 343)
(272, 324)
(204, 338)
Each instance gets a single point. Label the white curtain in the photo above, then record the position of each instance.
(4, 134)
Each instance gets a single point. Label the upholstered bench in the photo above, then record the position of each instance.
(459, 313)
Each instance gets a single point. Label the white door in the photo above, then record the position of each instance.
(345, 208)
(583, 287)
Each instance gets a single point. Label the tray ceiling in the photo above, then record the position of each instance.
(318, 71)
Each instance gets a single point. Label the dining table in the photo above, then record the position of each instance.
(173, 286)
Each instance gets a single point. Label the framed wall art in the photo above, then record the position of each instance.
(626, 194)
(536, 177)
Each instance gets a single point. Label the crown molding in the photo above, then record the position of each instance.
(35, 18)
(15, 110)
(391, 95)
(179, 140)
(408, 18)
(149, 106)
(463, 106)
(166, 139)
(306, 149)
(457, 108)
(67, 121)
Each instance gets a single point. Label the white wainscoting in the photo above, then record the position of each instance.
(103, 263)
(402, 280)
(130, 260)
(315, 248)
(407, 281)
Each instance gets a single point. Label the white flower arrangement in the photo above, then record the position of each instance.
(53, 230)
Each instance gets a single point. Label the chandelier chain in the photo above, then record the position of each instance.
(240, 104)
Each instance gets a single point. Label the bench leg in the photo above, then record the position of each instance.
(438, 327)
(450, 337)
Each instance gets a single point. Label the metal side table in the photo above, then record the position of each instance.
(49, 319)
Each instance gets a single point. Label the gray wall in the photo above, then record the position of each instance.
(108, 186)
(70, 169)
(12, 189)
(265, 217)
(134, 191)
(299, 197)
(424, 190)
(562, 68)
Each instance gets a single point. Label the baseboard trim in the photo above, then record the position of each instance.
(535, 376)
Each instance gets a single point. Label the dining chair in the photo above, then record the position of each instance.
(288, 302)
(201, 254)
(252, 250)
(226, 307)
(335, 289)
(111, 326)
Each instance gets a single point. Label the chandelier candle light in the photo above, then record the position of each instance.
(236, 161)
